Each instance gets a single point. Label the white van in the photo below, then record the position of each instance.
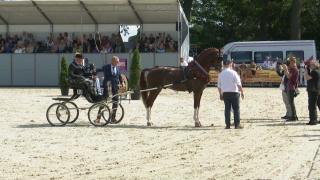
(259, 51)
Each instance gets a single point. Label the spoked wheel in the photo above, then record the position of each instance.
(58, 114)
(99, 114)
(117, 114)
(74, 111)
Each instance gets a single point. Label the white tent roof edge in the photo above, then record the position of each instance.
(23, 12)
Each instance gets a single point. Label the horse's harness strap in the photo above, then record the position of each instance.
(201, 68)
(198, 71)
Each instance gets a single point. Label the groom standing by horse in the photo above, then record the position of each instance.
(229, 86)
(159, 77)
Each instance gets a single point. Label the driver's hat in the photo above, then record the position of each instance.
(78, 55)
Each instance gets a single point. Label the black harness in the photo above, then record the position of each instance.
(198, 71)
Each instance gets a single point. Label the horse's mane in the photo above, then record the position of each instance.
(205, 51)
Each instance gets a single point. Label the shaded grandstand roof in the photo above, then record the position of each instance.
(88, 11)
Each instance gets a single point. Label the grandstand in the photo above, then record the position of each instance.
(34, 34)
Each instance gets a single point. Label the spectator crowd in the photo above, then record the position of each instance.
(159, 43)
(85, 43)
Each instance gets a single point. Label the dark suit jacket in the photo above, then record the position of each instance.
(75, 71)
(108, 76)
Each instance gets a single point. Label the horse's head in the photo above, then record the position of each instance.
(211, 58)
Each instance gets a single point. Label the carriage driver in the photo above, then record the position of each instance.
(77, 78)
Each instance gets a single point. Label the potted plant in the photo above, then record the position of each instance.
(63, 77)
(135, 71)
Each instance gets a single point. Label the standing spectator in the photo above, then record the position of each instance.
(283, 88)
(292, 74)
(119, 44)
(302, 80)
(312, 75)
(85, 44)
(229, 86)
(91, 44)
(97, 40)
(113, 41)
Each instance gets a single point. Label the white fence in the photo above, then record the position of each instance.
(42, 70)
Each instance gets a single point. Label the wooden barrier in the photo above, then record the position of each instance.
(264, 77)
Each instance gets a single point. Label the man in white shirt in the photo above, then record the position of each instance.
(230, 88)
(183, 62)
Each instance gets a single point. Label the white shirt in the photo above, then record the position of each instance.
(184, 64)
(113, 70)
(229, 81)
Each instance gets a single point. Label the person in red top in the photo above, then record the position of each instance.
(292, 74)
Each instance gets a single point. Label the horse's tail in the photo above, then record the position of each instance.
(144, 85)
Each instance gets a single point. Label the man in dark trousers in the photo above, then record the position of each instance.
(112, 77)
(230, 89)
(312, 75)
(292, 74)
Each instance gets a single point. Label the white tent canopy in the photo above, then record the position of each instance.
(33, 12)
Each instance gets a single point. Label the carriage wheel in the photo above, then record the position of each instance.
(99, 111)
(58, 114)
(117, 114)
(74, 111)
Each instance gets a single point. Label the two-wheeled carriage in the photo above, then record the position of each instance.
(100, 113)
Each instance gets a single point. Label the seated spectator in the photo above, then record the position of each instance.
(106, 48)
(20, 49)
(1, 46)
(2, 40)
(151, 48)
(29, 48)
(161, 48)
(152, 39)
(50, 43)
(253, 67)
(77, 48)
(61, 46)
(171, 47)
(267, 63)
(144, 48)
(273, 64)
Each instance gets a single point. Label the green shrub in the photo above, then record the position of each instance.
(63, 77)
(135, 70)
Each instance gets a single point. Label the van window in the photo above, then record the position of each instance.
(298, 54)
(261, 56)
(241, 56)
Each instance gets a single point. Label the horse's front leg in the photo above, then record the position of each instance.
(197, 97)
(149, 123)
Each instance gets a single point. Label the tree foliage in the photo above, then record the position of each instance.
(218, 22)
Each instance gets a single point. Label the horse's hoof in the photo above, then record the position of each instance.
(149, 123)
(197, 124)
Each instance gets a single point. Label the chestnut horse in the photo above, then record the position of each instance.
(159, 77)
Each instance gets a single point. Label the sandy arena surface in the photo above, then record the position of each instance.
(267, 148)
